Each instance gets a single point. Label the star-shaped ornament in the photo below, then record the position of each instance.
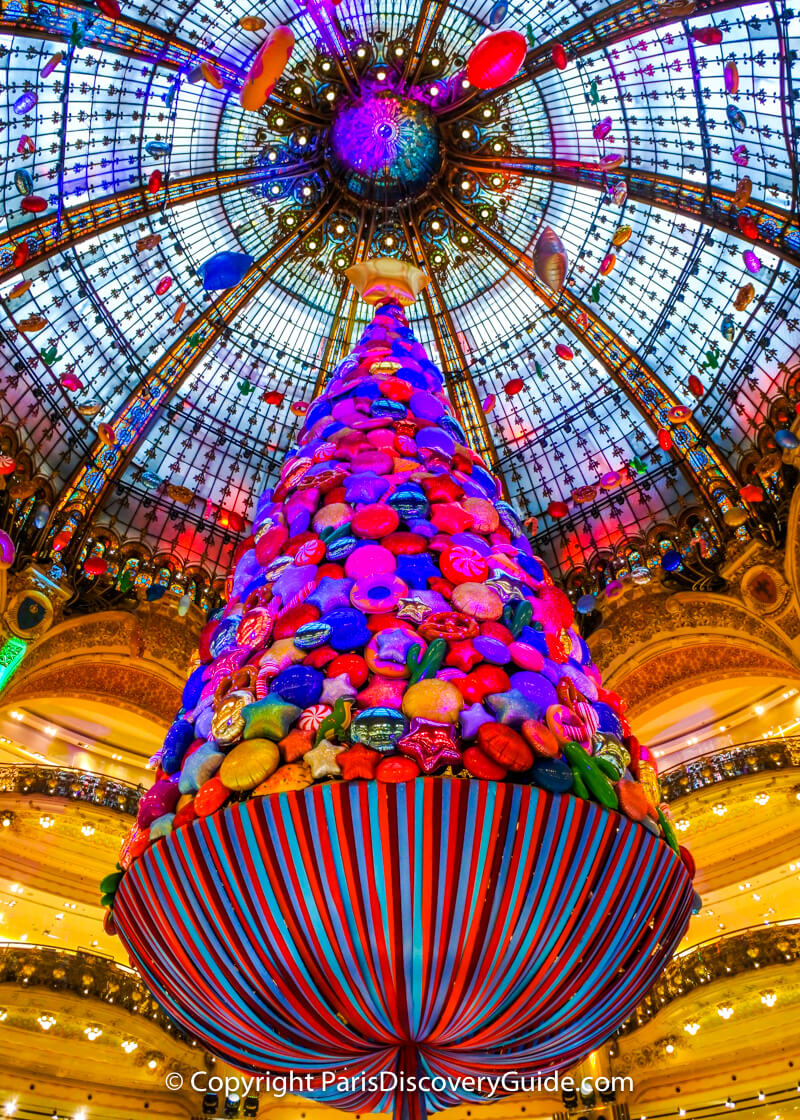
(336, 688)
(330, 593)
(513, 708)
(393, 645)
(358, 762)
(322, 760)
(269, 718)
(430, 744)
(412, 610)
(472, 718)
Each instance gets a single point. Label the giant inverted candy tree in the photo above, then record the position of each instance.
(398, 825)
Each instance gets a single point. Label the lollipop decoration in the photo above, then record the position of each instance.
(393, 743)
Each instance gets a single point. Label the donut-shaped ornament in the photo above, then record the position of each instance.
(106, 434)
(679, 414)
(378, 594)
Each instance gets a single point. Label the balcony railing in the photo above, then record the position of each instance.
(728, 763)
(721, 958)
(87, 974)
(78, 785)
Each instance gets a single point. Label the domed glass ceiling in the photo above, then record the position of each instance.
(634, 154)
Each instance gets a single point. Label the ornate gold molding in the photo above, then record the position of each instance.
(722, 959)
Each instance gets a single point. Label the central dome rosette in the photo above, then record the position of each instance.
(385, 148)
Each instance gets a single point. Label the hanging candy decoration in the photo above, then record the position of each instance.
(611, 162)
(155, 182)
(621, 235)
(496, 59)
(564, 352)
(559, 57)
(299, 408)
(586, 604)
(52, 63)
(735, 516)
(740, 155)
(179, 310)
(744, 297)
(95, 566)
(210, 75)
(731, 76)
(679, 414)
(20, 289)
(751, 262)
(272, 396)
(71, 382)
(736, 117)
(558, 509)
(671, 560)
(488, 402)
(110, 8)
(61, 540)
(602, 128)
(25, 146)
(224, 270)
(106, 434)
(498, 13)
(744, 188)
(747, 226)
(514, 386)
(150, 241)
(550, 259)
(40, 515)
(751, 493)
(728, 327)
(266, 68)
(7, 550)
(34, 204)
(708, 36)
(610, 480)
(696, 386)
(7, 465)
(164, 285)
(21, 252)
(32, 324)
(786, 439)
(607, 264)
(23, 181)
(620, 194)
(664, 439)
(158, 148)
(25, 102)
(90, 407)
(252, 23)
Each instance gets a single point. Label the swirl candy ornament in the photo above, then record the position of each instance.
(398, 825)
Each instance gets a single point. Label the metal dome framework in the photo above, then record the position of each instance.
(195, 441)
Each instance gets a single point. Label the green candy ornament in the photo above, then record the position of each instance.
(425, 667)
(596, 782)
(669, 832)
(517, 615)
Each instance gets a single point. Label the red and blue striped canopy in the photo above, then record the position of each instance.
(438, 927)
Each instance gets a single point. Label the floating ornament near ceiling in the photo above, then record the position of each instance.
(550, 259)
(496, 59)
(266, 68)
(224, 270)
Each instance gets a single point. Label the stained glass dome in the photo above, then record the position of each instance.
(625, 412)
